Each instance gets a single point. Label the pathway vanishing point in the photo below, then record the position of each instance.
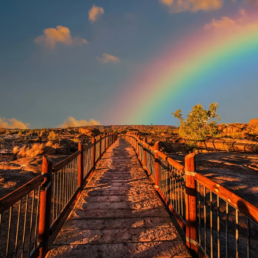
(119, 214)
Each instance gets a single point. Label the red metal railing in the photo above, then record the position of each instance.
(29, 214)
(217, 222)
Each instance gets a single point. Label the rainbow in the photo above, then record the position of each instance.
(176, 70)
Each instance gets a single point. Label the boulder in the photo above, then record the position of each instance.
(35, 150)
(63, 151)
(254, 121)
(231, 129)
(221, 127)
(91, 132)
(47, 150)
(67, 142)
(43, 134)
(2, 131)
(165, 147)
(236, 130)
(38, 139)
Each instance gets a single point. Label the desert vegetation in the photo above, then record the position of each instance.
(198, 132)
(219, 157)
(199, 123)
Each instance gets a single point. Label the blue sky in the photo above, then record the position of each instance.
(44, 83)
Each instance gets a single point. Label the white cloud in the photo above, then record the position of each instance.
(107, 58)
(72, 122)
(229, 25)
(12, 123)
(95, 12)
(61, 35)
(176, 6)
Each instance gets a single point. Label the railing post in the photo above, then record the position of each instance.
(139, 149)
(190, 202)
(80, 166)
(156, 155)
(99, 146)
(144, 153)
(93, 152)
(45, 207)
(137, 146)
(105, 135)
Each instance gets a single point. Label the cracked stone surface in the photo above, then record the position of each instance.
(119, 214)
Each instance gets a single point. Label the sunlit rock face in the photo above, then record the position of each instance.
(254, 121)
(16, 173)
(89, 131)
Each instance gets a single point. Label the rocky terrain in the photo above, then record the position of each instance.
(21, 151)
(230, 159)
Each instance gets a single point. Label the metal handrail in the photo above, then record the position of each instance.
(201, 206)
(30, 213)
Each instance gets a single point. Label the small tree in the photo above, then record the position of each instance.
(200, 123)
(52, 136)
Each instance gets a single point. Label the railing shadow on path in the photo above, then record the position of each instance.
(217, 222)
(122, 216)
(31, 213)
(125, 207)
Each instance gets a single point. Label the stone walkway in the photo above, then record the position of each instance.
(119, 214)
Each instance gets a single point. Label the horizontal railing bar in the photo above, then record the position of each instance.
(64, 162)
(163, 156)
(7, 201)
(171, 162)
(234, 200)
(86, 147)
(181, 221)
(46, 196)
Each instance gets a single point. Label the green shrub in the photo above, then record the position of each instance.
(199, 123)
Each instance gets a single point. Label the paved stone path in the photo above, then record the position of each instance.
(119, 214)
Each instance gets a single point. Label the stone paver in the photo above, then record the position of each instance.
(119, 214)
